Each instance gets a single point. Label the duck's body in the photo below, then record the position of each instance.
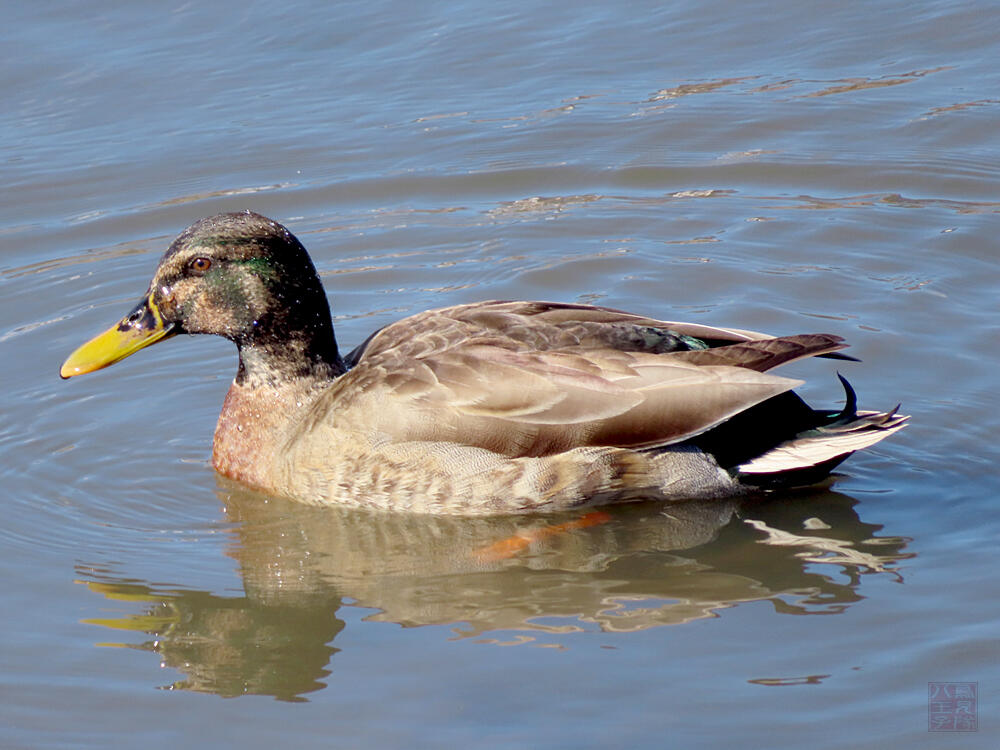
(493, 407)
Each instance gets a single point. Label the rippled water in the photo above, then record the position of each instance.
(782, 168)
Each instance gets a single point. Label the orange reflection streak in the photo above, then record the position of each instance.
(507, 548)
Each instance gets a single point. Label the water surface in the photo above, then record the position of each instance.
(779, 169)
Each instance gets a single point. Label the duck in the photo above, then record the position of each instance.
(487, 408)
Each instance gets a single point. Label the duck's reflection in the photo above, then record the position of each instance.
(497, 579)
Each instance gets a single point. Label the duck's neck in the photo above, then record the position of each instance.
(297, 343)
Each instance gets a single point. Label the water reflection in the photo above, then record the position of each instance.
(500, 580)
(231, 645)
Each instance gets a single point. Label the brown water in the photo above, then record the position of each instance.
(793, 171)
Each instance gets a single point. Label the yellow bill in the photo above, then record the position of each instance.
(137, 330)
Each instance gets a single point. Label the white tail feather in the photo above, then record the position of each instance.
(826, 443)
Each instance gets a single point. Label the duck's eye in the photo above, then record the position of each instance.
(200, 265)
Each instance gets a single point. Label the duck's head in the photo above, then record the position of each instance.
(237, 275)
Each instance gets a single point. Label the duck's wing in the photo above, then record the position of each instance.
(537, 378)
(544, 326)
(560, 327)
(763, 354)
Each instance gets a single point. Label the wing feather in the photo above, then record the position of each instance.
(534, 378)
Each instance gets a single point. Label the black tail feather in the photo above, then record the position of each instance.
(850, 410)
(838, 355)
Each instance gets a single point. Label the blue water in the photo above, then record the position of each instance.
(779, 167)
